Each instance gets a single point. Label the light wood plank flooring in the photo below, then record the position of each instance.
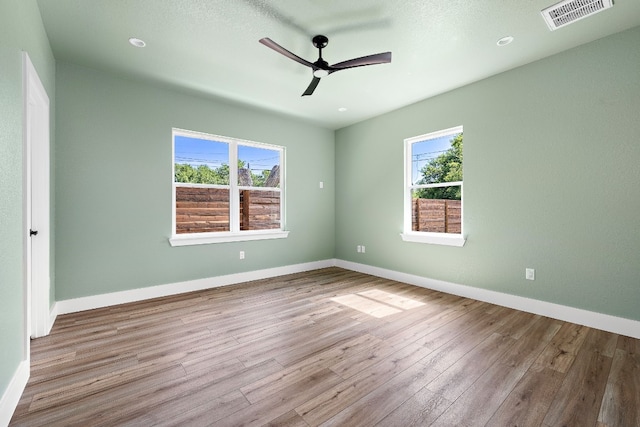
(329, 347)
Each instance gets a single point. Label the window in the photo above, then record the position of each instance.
(433, 188)
(225, 189)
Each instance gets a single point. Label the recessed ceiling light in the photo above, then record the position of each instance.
(342, 109)
(137, 42)
(505, 41)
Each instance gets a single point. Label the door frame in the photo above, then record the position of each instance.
(36, 201)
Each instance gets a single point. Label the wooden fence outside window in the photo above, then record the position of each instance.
(437, 215)
(203, 210)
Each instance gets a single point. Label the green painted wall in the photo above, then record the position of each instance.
(551, 173)
(114, 183)
(20, 30)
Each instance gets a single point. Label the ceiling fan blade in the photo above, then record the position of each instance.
(312, 86)
(379, 58)
(275, 46)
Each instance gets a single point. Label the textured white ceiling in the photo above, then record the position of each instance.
(211, 46)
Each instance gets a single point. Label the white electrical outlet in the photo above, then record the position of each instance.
(362, 247)
(321, 184)
(241, 254)
(358, 248)
(529, 274)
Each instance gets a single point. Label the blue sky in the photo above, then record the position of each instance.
(259, 159)
(198, 152)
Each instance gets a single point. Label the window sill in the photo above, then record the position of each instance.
(209, 238)
(434, 238)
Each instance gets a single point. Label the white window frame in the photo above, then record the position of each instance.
(235, 234)
(408, 235)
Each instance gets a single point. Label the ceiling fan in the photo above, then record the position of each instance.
(321, 68)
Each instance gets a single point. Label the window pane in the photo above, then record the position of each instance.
(201, 161)
(259, 210)
(258, 167)
(436, 214)
(202, 210)
(207, 200)
(437, 160)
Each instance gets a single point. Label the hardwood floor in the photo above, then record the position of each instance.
(329, 347)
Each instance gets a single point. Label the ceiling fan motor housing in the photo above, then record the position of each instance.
(320, 41)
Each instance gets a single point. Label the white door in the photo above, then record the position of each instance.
(36, 203)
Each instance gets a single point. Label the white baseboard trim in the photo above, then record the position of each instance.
(605, 322)
(115, 298)
(592, 319)
(53, 314)
(13, 393)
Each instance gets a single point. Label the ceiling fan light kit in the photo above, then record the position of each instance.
(321, 68)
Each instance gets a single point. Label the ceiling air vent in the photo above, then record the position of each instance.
(569, 11)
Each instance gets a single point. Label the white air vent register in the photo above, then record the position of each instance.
(569, 11)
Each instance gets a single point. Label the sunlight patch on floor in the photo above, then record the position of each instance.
(365, 305)
(377, 303)
(392, 299)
